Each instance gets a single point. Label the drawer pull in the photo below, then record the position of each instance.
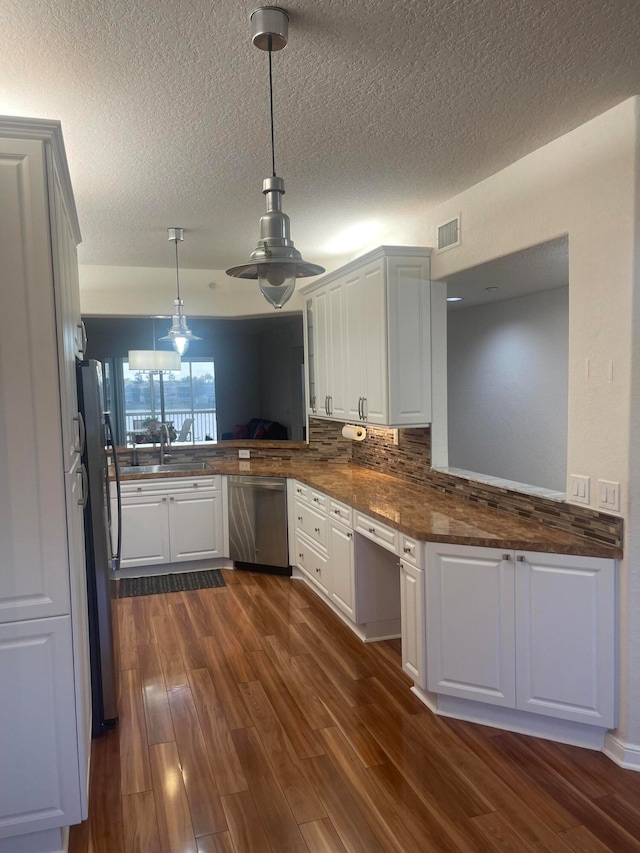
(337, 511)
(299, 518)
(506, 556)
(318, 570)
(406, 549)
(172, 498)
(164, 500)
(138, 488)
(300, 556)
(195, 485)
(372, 530)
(316, 500)
(349, 535)
(317, 529)
(520, 558)
(299, 491)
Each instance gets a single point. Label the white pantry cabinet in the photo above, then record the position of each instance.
(45, 712)
(170, 521)
(369, 339)
(524, 630)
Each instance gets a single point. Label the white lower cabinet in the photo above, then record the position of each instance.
(39, 785)
(343, 593)
(313, 563)
(165, 522)
(413, 622)
(523, 630)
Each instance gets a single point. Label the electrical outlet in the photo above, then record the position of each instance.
(579, 488)
(244, 454)
(609, 495)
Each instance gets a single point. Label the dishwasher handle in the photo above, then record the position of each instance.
(273, 483)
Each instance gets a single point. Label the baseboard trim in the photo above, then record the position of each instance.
(624, 754)
(522, 722)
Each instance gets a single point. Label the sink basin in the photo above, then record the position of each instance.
(168, 467)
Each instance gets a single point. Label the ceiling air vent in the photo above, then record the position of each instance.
(449, 234)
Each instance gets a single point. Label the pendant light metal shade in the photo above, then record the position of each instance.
(179, 335)
(275, 261)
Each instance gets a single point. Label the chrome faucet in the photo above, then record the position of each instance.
(165, 441)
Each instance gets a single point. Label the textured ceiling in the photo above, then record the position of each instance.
(383, 109)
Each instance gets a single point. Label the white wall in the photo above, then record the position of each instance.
(507, 388)
(586, 185)
(145, 291)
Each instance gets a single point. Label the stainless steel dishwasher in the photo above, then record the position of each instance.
(258, 523)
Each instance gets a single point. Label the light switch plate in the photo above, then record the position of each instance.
(609, 495)
(578, 488)
(244, 454)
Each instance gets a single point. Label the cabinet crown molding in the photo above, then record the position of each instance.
(48, 131)
(373, 255)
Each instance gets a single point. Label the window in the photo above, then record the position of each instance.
(175, 398)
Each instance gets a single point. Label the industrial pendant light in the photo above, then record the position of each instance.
(275, 262)
(179, 334)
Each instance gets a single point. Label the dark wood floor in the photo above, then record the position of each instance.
(252, 719)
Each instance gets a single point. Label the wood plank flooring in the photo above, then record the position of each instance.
(252, 720)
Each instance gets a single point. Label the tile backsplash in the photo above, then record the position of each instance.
(410, 460)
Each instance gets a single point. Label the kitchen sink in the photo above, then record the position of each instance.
(168, 467)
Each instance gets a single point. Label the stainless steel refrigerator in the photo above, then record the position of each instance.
(102, 554)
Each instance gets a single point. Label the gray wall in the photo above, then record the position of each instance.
(241, 351)
(508, 388)
(281, 391)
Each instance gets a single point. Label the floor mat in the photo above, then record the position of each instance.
(153, 584)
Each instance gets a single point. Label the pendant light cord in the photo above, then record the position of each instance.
(273, 145)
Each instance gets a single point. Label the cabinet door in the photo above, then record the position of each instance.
(343, 592)
(68, 322)
(310, 336)
(145, 531)
(337, 359)
(413, 621)
(470, 623)
(321, 354)
(34, 567)
(374, 344)
(354, 320)
(75, 484)
(565, 637)
(195, 526)
(39, 782)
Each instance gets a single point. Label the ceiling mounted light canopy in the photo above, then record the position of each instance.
(179, 335)
(275, 262)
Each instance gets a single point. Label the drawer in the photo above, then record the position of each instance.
(311, 522)
(377, 532)
(412, 550)
(341, 512)
(167, 486)
(312, 563)
(318, 500)
(301, 491)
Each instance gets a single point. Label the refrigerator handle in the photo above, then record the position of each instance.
(115, 559)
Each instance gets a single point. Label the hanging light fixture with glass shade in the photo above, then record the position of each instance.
(275, 262)
(179, 335)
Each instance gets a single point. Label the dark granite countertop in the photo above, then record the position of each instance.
(426, 514)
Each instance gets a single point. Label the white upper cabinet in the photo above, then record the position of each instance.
(369, 351)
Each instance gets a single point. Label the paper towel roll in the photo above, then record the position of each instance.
(356, 433)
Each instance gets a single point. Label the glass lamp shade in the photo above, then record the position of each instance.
(179, 335)
(153, 361)
(277, 282)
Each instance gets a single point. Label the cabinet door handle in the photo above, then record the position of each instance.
(317, 570)
(364, 403)
(520, 558)
(406, 550)
(85, 487)
(299, 518)
(330, 401)
(300, 556)
(506, 556)
(82, 433)
(171, 498)
(317, 530)
(83, 338)
(349, 535)
(360, 407)
(326, 405)
(164, 500)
